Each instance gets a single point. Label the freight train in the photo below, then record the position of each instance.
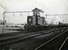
(35, 22)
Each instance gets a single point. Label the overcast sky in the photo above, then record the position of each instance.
(49, 6)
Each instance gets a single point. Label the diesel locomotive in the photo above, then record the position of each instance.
(35, 22)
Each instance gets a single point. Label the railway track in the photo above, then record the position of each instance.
(9, 39)
(20, 38)
(47, 45)
(64, 45)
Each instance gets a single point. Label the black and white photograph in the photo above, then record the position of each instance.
(33, 24)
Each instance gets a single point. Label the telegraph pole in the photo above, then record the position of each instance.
(3, 28)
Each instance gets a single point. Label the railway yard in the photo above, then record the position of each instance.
(35, 34)
(51, 39)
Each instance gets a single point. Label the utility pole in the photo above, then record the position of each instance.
(3, 28)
